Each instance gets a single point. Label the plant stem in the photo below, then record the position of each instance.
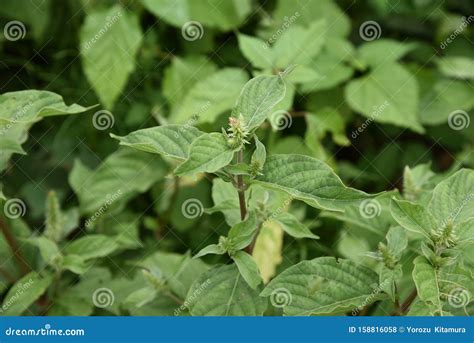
(240, 187)
(406, 304)
(25, 269)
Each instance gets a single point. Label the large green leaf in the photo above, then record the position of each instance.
(208, 153)
(457, 66)
(310, 180)
(120, 176)
(256, 51)
(210, 97)
(383, 51)
(257, 99)
(323, 286)
(109, 42)
(168, 140)
(223, 15)
(453, 198)
(222, 291)
(389, 95)
(24, 292)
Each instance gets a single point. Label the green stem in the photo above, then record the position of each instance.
(240, 187)
(24, 267)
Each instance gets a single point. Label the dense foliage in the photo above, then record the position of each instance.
(237, 157)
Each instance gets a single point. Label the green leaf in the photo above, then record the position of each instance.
(208, 153)
(223, 15)
(389, 95)
(24, 292)
(209, 97)
(48, 249)
(299, 45)
(167, 140)
(397, 241)
(26, 107)
(443, 98)
(247, 268)
(211, 249)
(323, 286)
(92, 246)
(109, 42)
(223, 292)
(257, 99)
(243, 233)
(309, 180)
(256, 51)
(259, 156)
(180, 76)
(413, 217)
(458, 67)
(453, 198)
(55, 220)
(75, 263)
(140, 297)
(388, 279)
(383, 51)
(292, 226)
(123, 174)
(427, 284)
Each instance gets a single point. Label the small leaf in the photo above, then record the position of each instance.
(257, 99)
(323, 285)
(211, 249)
(243, 233)
(167, 140)
(292, 226)
(383, 51)
(259, 156)
(55, 221)
(75, 264)
(24, 292)
(413, 217)
(48, 249)
(247, 268)
(309, 180)
(427, 284)
(92, 246)
(208, 153)
(457, 66)
(256, 51)
(223, 292)
(397, 241)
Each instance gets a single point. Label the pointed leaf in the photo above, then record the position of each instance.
(292, 226)
(208, 153)
(412, 217)
(309, 180)
(323, 286)
(92, 246)
(242, 234)
(167, 140)
(427, 284)
(247, 268)
(210, 249)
